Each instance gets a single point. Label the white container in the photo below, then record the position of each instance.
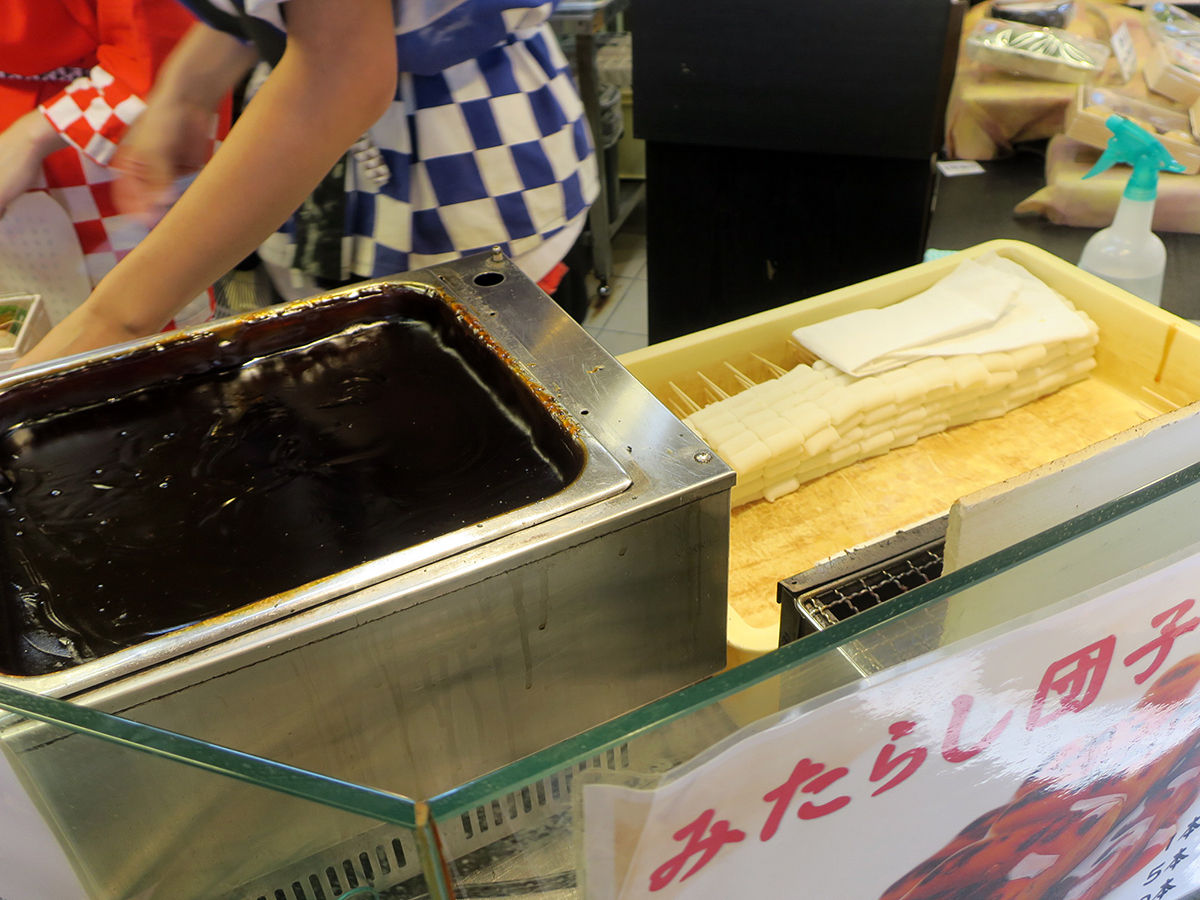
(1049, 54)
(1128, 253)
(23, 316)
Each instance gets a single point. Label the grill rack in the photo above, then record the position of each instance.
(857, 580)
(386, 859)
(845, 598)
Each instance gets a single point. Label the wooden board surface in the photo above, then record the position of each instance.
(875, 497)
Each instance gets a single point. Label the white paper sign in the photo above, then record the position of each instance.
(952, 168)
(1124, 51)
(1061, 758)
(33, 865)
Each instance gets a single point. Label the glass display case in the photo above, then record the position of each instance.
(523, 830)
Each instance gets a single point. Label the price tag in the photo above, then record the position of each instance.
(1122, 45)
(953, 167)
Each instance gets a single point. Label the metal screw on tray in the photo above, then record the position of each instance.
(703, 456)
(497, 254)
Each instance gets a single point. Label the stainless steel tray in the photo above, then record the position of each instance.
(200, 351)
(417, 672)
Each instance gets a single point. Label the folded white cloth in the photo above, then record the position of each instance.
(986, 304)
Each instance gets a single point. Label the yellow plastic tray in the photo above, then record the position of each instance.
(1148, 364)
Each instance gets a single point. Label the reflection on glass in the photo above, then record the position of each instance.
(145, 813)
(111, 809)
(1063, 566)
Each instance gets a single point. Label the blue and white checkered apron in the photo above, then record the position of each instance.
(486, 141)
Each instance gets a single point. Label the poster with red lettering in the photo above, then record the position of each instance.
(1059, 759)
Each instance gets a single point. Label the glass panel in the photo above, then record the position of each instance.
(142, 812)
(99, 807)
(1062, 567)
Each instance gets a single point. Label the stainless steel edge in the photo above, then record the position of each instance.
(419, 680)
(640, 459)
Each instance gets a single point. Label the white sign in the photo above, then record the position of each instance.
(952, 168)
(1060, 758)
(1123, 49)
(33, 865)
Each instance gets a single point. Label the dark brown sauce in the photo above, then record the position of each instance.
(235, 467)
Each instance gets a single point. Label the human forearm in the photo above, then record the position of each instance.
(172, 138)
(80, 331)
(23, 146)
(334, 81)
(268, 164)
(203, 68)
(34, 129)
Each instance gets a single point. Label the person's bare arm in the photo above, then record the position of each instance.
(336, 78)
(171, 137)
(23, 146)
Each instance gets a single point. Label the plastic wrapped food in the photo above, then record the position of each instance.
(1050, 54)
(1040, 13)
(1167, 71)
(1184, 52)
(1166, 21)
(1087, 117)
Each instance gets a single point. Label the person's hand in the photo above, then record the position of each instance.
(169, 141)
(23, 146)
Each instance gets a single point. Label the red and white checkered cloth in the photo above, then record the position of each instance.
(92, 114)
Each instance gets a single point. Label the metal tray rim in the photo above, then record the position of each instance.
(601, 478)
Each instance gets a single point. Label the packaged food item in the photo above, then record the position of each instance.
(1040, 13)
(1163, 20)
(1050, 54)
(1087, 114)
(1069, 199)
(1168, 70)
(23, 322)
(1184, 52)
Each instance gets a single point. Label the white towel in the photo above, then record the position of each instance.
(984, 305)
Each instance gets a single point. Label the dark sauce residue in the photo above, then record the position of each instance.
(143, 494)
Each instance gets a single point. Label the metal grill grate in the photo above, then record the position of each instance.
(385, 863)
(554, 790)
(388, 862)
(841, 600)
(859, 579)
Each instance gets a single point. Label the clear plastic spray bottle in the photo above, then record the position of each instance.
(1128, 253)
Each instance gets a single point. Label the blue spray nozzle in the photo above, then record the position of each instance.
(1134, 145)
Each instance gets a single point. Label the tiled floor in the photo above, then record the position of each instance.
(619, 323)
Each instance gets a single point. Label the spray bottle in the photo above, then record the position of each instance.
(1128, 253)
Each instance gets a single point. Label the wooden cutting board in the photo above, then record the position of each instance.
(875, 497)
